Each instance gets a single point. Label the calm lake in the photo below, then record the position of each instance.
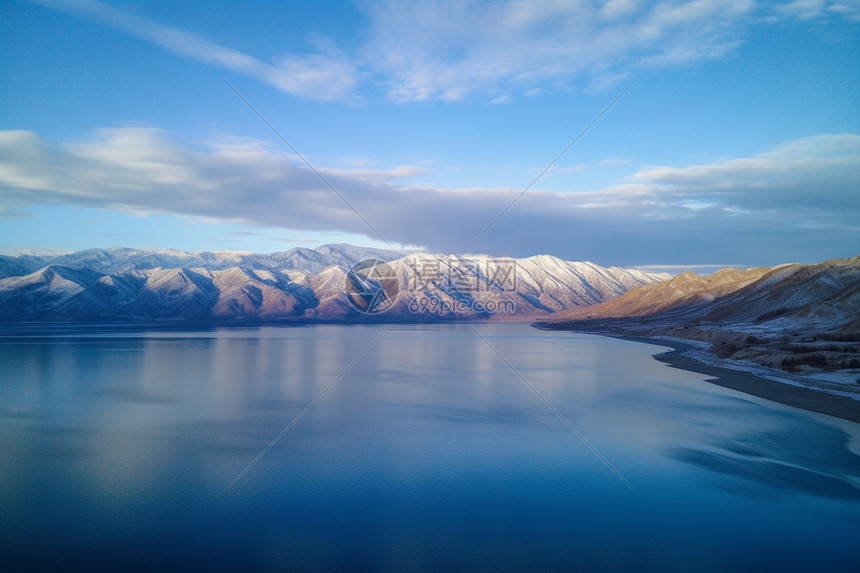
(144, 449)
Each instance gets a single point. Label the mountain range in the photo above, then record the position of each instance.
(796, 317)
(122, 284)
(122, 260)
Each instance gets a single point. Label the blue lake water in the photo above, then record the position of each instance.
(431, 451)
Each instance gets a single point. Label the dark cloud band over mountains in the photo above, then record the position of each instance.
(802, 194)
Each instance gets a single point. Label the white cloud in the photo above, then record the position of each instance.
(378, 175)
(297, 240)
(319, 77)
(565, 169)
(812, 173)
(615, 9)
(815, 9)
(454, 49)
(451, 50)
(801, 195)
(37, 252)
(327, 76)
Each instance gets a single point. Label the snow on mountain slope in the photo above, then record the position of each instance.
(121, 260)
(481, 286)
(579, 284)
(20, 266)
(120, 284)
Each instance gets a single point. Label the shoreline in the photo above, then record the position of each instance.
(805, 397)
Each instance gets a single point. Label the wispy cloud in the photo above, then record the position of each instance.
(565, 169)
(455, 49)
(817, 9)
(798, 198)
(297, 240)
(798, 174)
(326, 76)
(34, 252)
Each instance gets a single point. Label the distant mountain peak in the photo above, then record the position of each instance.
(299, 284)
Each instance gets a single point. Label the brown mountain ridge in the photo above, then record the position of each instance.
(800, 318)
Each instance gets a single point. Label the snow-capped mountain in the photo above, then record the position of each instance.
(121, 260)
(300, 284)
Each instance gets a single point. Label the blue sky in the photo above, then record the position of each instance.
(737, 141)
